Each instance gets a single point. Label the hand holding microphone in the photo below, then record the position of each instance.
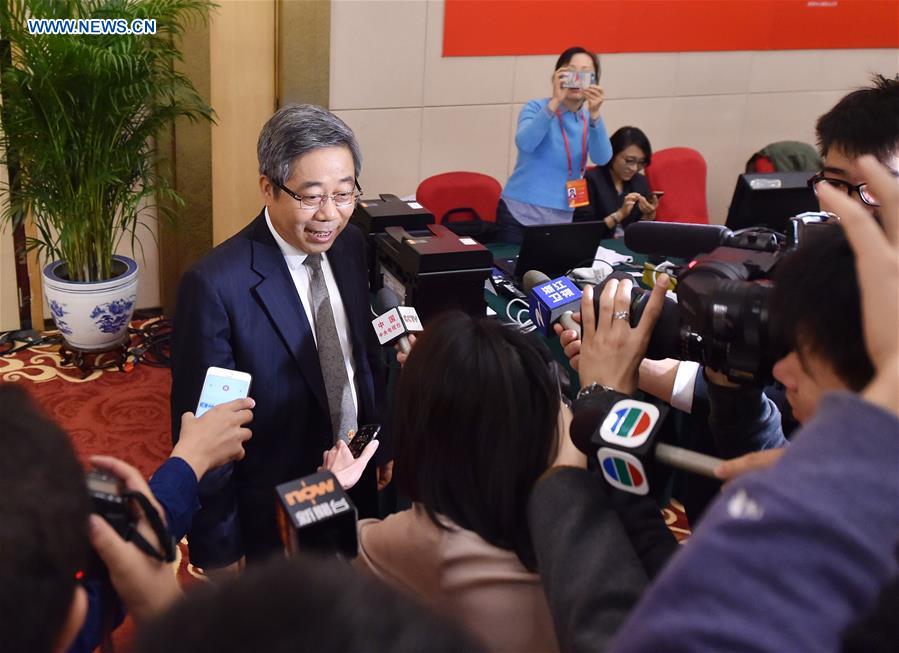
(551, 301)
(395, 323)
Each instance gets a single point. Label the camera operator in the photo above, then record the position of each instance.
(47, 602)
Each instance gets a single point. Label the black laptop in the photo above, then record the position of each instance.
(554, 249)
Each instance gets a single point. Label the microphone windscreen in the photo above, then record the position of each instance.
(385, 299)
(674, 239)
(533, 278)
(587, 417)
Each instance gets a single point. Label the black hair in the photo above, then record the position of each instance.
(864, 122)
(566, 57)
(476, 419)
(43, 524)
(297, 605)
(817, 304)
(627, 136)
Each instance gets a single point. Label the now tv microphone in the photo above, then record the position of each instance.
(394, 322)
(551, 301)
(316, 515)
(622, 433)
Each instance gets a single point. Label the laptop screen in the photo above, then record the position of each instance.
(556, 248)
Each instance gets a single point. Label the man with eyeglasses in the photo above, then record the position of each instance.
(285, 300)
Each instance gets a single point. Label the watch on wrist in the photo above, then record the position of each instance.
(593, 388)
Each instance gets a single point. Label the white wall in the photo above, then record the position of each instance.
(417, 114)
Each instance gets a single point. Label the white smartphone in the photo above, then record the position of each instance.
(222, 386)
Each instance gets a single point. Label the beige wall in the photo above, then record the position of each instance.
(417, 113)
(242, 88)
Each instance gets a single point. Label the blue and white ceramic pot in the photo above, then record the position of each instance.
(92, 316)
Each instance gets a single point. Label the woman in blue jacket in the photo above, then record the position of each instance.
(555, 137)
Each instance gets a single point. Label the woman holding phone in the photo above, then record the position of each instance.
(555, 138)
(619, 193)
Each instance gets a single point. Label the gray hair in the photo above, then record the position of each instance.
(296, 129)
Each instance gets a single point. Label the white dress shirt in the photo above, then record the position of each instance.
(300, 275)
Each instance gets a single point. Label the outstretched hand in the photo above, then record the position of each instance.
(611, 349)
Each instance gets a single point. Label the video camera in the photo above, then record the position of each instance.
(722, 318)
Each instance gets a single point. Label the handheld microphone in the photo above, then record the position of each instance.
(315, 514)
(622, 433)
(394, 322)
(551, 301)
(675, 239)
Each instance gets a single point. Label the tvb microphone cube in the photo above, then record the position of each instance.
(626, 441)
(316, 515)
(548, 301)
(396, 323)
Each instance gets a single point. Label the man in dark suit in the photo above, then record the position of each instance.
(285, 300)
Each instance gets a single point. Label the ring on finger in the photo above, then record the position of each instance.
(621, 315)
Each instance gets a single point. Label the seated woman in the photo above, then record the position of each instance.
(554, 138)
(477, 421)
(619, 193)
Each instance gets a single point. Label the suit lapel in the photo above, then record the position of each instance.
(278, 296)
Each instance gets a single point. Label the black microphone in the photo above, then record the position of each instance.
(555, 311)
(623, 434)
(394, 322)
(315, 514)
(675, 239)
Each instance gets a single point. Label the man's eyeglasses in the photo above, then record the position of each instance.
(633, 162)
(341, 199)
(839, 184)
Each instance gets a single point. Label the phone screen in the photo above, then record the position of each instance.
(219, 390)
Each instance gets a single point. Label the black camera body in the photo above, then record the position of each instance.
(723, 315)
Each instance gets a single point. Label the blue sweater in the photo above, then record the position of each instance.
(788, 557)
(542, 167)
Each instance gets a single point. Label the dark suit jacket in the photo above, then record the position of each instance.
(238, 308)
(605, 198)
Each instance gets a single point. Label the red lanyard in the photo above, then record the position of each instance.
(568, 150)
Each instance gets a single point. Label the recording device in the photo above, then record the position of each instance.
(551, 301)
(394, 322)
(316, 515)
(114, 503)
(578, 79)
(622, 433)
(222, 386)
(722, 316)
(362, 437)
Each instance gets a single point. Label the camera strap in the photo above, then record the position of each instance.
(166, 541)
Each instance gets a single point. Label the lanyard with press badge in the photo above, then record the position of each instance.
(575, 190)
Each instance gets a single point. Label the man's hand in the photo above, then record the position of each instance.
(215, 438)
(611, 350)
(750, 462)
(339, 461)
(145, 585)
(570, 341)
(877, 265)
(385, 474)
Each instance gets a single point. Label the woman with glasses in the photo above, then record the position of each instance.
(619, 193)
(556, 137)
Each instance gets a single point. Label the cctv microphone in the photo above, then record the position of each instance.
(316, 515)
(551, 301)
(622, 433)
(394, 322)
(675, 239)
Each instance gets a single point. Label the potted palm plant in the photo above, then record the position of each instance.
(78, 123)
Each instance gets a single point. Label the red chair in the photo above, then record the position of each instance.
(681, 173)
(463, 201)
